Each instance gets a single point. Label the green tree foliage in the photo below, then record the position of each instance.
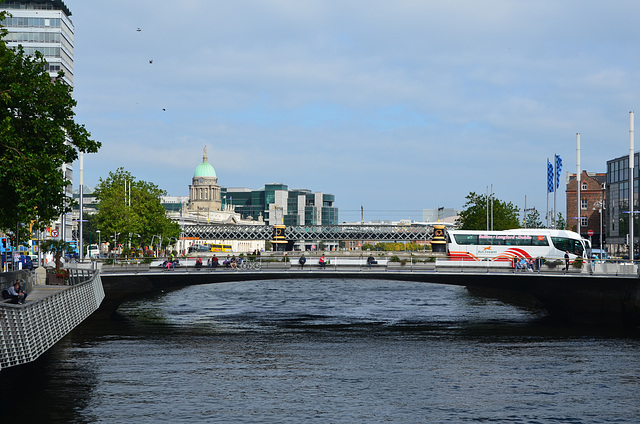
(533, 220)
(474, 214)
(393, 247)
(561, 223)
(133, 210)
(58, 248)
(36, 118)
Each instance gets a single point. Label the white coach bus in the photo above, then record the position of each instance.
(477, 245)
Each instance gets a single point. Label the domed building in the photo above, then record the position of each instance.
(204, 191)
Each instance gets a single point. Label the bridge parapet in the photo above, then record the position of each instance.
(50, 313)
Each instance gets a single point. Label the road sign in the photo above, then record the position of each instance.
(54, 233)
(590, 233)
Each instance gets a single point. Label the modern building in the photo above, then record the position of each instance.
(280, 205)
(592, 201)
(617, 204)
(44, 26)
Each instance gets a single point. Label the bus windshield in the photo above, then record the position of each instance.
(568, 245)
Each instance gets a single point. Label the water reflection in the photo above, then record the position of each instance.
(334, 351)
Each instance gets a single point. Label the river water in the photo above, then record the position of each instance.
(328, 351)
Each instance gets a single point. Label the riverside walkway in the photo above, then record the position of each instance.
(50, 313)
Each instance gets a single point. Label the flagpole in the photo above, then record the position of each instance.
(631, 191)
(555, 189)
(547, 166)
(578, 188)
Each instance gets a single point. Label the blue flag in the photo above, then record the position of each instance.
(558, 170)
(549, 177)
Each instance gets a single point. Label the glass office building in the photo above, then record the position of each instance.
(43, 26)
(617, 203)
(277, 204)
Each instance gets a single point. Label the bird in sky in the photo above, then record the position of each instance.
(139, 30)
(151, 61)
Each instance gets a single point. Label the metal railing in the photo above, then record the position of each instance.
(28, 330)
(385, 264)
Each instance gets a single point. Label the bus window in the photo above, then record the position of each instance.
(539, 241)
(522, 240)
(499, 240)
(466, 238)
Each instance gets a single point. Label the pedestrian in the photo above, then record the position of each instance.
(16, 294)
(566, 260)
(302, 261)
(370, 260)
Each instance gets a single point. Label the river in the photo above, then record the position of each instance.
(328, 351)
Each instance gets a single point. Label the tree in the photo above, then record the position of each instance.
(533, 220)
(561, 223)
(474, 214)
(58, 248)
(38, 135)
(132, 210)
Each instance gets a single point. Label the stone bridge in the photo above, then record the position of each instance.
(578, 297)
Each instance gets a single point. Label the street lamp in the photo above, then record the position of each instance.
(99, 244)
(115, 243)
(599, 206)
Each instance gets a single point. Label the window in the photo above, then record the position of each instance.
(466, 238)
(584, 204)
(567, 244)
(584, 186)
(584, 221)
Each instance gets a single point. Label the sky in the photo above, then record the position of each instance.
(394, 106)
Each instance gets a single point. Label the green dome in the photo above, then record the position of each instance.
(205, 170)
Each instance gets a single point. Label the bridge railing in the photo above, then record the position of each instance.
(50, 313)
(383, 264)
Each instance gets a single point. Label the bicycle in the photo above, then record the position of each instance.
(250, 266)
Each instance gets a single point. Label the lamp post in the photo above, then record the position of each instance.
(99, 244)
(153, 237)
(599, 205)
(115, 243)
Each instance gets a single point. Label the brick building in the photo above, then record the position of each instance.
(592, 199)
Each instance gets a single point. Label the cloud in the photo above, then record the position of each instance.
(425, 101)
